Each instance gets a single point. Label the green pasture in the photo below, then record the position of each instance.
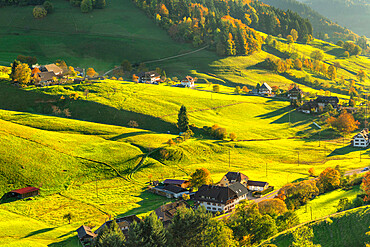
(325, 204)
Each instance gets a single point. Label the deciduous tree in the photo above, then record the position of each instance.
(366, 186)
(328, 180)
(361, 75)
(22, 74)
(303, 237)
(86, 6)
(199, 177)
(344, 123)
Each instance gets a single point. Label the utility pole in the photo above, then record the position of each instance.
(96, 186)
(311, 212)
(266, 169)
(319, 137)
(360, 156)
(298, 158)
(229, 159)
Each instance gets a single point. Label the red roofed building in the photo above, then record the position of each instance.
(23, 193)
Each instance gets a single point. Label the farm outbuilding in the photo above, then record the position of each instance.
(23, 193)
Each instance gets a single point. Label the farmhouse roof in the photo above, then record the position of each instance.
(363, 134)
(265, 85)
(219, 194)
(295, 88)
(54, 68)
(188, 78)
(25, 190)
(173, 188)
(84, 231)
(122, 223)
(326, 99)
(46, 76)
(257, 183)
(174, 181)
(235, 176)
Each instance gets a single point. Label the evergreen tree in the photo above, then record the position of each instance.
(183, 120)
(109, 237)
(147, 233)
(14, 65)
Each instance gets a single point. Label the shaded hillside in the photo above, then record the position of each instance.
(344, 229)
(320, 23)
(352, 14)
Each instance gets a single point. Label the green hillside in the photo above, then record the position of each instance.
(343, 229)
(101, 39)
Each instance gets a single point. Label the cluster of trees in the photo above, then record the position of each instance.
(350, 47)
(88, 5)
(216, 131)
(40, 11)
(226, 26)
(299, 193)
(344, 123)
(250, 224)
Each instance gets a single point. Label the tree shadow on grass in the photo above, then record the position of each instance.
(344, 151)
(44, 230)
(125, 135)
(71, 241)
(148, 202)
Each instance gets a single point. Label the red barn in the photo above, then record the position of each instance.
(23, 193)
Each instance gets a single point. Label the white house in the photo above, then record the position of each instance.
(257, 185)
(361, 139)
(150, 77)
(265, 89)
(188, 82)
(219, 198)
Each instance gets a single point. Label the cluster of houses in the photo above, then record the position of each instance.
(319, 104)
(46, 75)
(152, 77)
(223, 196)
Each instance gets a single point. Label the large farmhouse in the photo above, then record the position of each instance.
(188, 81)
(166, 212)
(219, 198)
(150, 77)
(361, 139)
(265, 89)
(295, 92)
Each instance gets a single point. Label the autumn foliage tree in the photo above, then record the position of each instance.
(366, 186)
(345, 122)
(272, 207)
(328, 180)
(90, 72)
(199, 177)
(22, 74)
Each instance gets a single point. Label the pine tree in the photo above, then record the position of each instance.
(183, 120)
(147, 233)
(14, 65)
(111, 236)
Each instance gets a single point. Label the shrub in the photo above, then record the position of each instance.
(49, 7)
(232, 136)
(39, 12)
(86, 6)
(133, 124)
(216, 88)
